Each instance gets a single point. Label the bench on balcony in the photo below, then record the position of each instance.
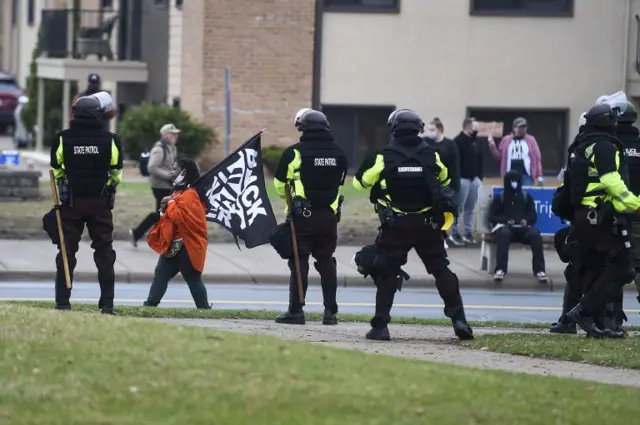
(96, 40)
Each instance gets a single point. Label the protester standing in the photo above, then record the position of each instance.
(448, 151)
(315, 170)
(180, 237)
(470, 154)
(161, 160)
(519, 151)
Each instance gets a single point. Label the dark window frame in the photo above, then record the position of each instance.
(354, 110)
(106, 5)
(523, 12)
(31, 12)
(361, 8)
(565, 113)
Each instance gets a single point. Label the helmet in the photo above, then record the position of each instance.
(87, 107)
(299, 114)
(312, 120)
(405, 119)
(629, 116)
(601, 116)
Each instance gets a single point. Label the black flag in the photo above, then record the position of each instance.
(236, 197)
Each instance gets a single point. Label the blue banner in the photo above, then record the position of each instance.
(9, 158)
(547, 223)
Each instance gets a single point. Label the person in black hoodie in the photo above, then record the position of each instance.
(448, 151)
(513, 215)
(470, 167)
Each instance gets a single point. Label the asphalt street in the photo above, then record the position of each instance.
(516, 306)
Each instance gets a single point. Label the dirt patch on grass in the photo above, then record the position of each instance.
(430, 343)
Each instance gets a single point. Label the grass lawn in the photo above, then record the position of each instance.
(75, 368)
(192, 313)
(619, 353)
(23, 220)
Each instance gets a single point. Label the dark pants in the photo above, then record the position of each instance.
(608, 264)
(394, 243)
(524, 235)
(317, 235)
(96, 214)
(572, 290)
(167, 269)
(151, 219)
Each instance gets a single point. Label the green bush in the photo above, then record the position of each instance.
(139, 130)
(271, 156)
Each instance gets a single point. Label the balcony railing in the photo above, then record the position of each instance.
(93, 32)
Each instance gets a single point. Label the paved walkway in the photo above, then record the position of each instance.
(34, 260)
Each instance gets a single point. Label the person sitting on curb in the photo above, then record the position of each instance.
(513, 215)
(180, 237)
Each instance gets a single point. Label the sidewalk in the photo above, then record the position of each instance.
(34, 260)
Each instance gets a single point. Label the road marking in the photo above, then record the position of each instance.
(284, 303)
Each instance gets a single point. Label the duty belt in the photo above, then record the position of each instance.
(388, 215)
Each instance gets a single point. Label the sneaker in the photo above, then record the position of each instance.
(468, 239)
(542, 277)
(499, 275)
(132, 239)
(455, 241)
(446, 245)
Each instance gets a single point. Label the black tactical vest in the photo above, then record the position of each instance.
(87, 159)
(630, 137)
(410, 172)
(579, 165)
(323, 166)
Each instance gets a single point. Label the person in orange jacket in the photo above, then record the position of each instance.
(180, 237)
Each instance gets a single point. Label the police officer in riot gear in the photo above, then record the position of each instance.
(409, 188)
(629, 135)
(87, 165)
(315, 170)
(600, 195)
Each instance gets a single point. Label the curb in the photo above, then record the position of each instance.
(343, 281)
(556, 284)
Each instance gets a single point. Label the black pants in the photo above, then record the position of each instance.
(96, 214)
(167, 269)
(608, 264)
(151, 219)
(524, 235)
(317, 235)
(572, 291)
(394, 243)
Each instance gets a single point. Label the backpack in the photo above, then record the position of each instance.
(143, 161)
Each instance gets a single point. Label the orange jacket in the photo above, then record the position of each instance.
(185, 217)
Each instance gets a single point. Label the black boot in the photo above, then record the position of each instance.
(563, 326)
(329, 318)
(107, 310)
(587, 324)
(379, 334)
(459, 320)
(148, 304)
(62, 307)
(290, 318)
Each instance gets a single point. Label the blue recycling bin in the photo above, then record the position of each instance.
(10, 158)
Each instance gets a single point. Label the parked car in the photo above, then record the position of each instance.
(9, 94)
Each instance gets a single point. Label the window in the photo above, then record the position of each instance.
(548, 126)
(31, 12)
(362, 6)
(359, 130)
(106, 4)
(522, 7)
(14, 12)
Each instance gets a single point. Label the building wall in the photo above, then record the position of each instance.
(175, 54)
(269, 47)
(437, 59)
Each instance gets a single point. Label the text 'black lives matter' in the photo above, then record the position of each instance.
(235, 195)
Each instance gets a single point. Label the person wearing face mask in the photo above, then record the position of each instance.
(519, 151)
(180, 237)
(513, 215)
(448, 151)
(470, 170)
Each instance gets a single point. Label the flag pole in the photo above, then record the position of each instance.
(294, 241)
(63, 246)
